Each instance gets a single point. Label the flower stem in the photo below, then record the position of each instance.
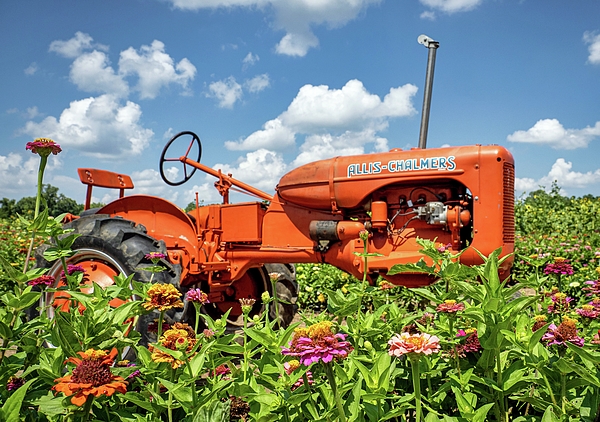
(87, 408)
(416, 377)
(160, 324)
(338, 399)
(38, 200)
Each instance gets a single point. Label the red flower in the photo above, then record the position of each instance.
(415, 344)
(44, 280)
(450, 307)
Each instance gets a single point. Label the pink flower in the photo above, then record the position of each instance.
(471, 342)
(588, 311)
(290, 367)
(14, 383)
(561, 266)
(593, 287)
(44, 280)
(43, 147)
(443, 248)
(208, 333)
(416, 344)
(221, 370)
(450, 307)
(566, 331)
(317, 343)
(155, 256)
(197, 296)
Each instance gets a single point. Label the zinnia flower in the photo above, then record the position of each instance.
(540, 321)
(290, 367)
(415, 344)
(247, 305)
(197, 296)
(317, 343)
(163, 297)
(44, 280)
(588, 311)
(43, 147)
(450, 307)
(593, 287)
(155, 256)
(221, 370)
(91, 376)
(470, 344)
(14, 383)
(179, 337)
(560, 303)
(560, 266)
(566, 331)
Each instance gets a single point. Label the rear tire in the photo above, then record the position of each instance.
(115, 246)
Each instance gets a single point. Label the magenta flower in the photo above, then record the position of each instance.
(560, 266)
(593, 287)
(155, 256)
(566, 331)
(44, 280)
(43, 147)
(290, 367)
(414, 344)
(450, 307)
(317, 343)
(14, 383)
(443, 248)
(197, 296)
(470, 344)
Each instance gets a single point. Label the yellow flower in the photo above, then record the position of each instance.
(162, 297)
(179, 337)
(321, 297)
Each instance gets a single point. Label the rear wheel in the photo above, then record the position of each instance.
(109, 246)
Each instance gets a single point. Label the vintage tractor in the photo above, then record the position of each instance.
(460, 196)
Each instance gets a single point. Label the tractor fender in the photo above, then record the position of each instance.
(164, 221)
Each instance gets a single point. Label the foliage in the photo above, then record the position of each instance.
(57, 204)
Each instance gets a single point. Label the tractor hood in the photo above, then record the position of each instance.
(346, 182)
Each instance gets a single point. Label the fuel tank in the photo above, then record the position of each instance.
(346, 182)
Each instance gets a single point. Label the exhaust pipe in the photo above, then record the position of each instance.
(432, 46)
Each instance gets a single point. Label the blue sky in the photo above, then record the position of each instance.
(271, 84)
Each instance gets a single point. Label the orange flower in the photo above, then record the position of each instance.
(179, 337)
(163, 297)
(91, 376)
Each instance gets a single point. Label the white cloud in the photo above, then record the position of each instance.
(207, 194)
(91, 72)
(451, 6)
(32, 112)
(334, 120)
(273, 136)
(101, 127)
(258, 83)
(149, 182)
(320, 147)
(551, 132)
(318, 107)
(261, 169)
(19, 175)
(31, 69)
(227, 92)
(155, 69)
(565, 177)
(593, 39)
(295, 17)
(250, 60)
(75, 46)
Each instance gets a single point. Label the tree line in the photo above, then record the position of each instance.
(57, 204)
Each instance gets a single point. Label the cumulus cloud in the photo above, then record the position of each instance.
(261, 169)
(562, 173)
(551, 132)
(91, 72)
(449, 6)
(31, 69)
(151, 68)
(593, 39)
(334, 121)
(258, 83)
(227, 92)
(19, 174)
(101, 127)
(75, 46)
(273, 136)
(155, 69)
(149, 182)
(295, 17)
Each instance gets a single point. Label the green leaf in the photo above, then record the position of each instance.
(12, 405)
(549, 416)
(215, 411)
(481, 413)
(66, 334)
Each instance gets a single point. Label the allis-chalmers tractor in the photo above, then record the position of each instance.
(460, 196)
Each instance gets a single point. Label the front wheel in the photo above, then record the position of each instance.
(109, 246)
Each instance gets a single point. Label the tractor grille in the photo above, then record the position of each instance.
(508, 217)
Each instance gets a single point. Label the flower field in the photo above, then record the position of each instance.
(468, 348)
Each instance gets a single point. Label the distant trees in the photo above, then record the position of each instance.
(57, 204)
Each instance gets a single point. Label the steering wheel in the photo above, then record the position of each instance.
(183, 142)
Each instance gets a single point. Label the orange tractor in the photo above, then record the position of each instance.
(460, 196)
